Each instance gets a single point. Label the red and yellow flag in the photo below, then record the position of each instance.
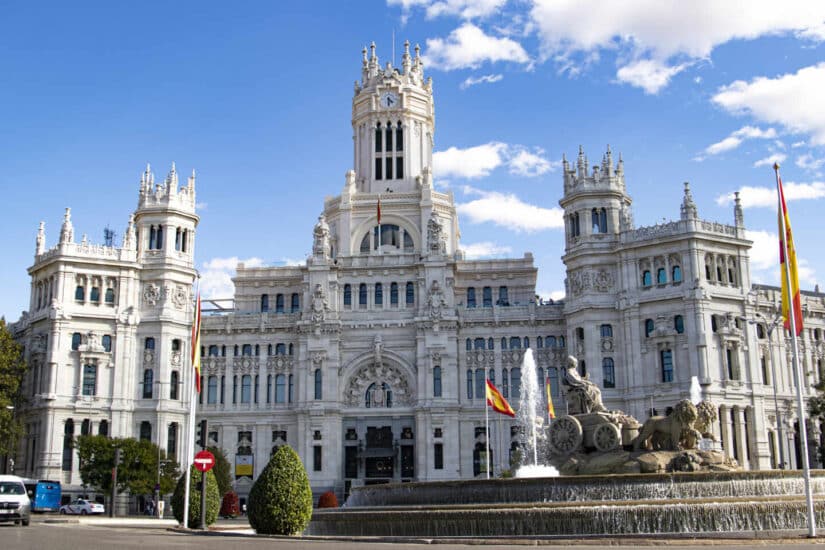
(786, 244)
(551, 410)
(497, 401)
(378, 213)
(196, 344)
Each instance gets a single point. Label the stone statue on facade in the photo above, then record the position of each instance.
(378, 349)
(435, 301)
(320, 305)
(435, 237)
(583, 396)
(320, 244)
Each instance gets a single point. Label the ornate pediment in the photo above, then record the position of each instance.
(378, 375)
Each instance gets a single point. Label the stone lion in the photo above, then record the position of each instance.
(673, 432)
(706, 416)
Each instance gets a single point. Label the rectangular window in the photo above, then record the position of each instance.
(487, 297)
(89, 379)
(316, 458)
(378, 140)
(438, 456)
(378, 166)
(399, 168)
(388, 162)
(212, 390)
(667, 365)
(765, 379)
(351, 461)
(407, 461)
(399, 138)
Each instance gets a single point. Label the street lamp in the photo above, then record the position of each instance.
(771, 325)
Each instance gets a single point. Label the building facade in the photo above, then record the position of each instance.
(370, 359)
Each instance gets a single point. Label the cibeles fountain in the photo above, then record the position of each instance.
(617, 476)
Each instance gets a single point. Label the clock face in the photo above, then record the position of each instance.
(389, 100)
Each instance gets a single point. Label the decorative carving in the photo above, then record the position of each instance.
(435, 301)
(148, 358)
(179, 297)
(317, 358)
(320, 245)
(435, 238)
(378, 374)
(151, 294)
(378, 348)
(583, 280)
(320, 305)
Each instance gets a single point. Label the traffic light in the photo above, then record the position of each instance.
(202, 434)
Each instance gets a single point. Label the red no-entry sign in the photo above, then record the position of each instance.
(204, 461)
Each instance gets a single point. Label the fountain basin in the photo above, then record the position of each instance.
(578, 505)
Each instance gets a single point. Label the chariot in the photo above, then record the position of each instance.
(600, 431)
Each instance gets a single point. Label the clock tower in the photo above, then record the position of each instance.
(393, 122)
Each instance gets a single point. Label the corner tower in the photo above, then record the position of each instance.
(393, 121)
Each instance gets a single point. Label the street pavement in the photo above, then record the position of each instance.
(139, 535)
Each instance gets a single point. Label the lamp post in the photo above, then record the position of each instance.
(771, 325)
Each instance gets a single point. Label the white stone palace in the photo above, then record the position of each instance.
(370, 358)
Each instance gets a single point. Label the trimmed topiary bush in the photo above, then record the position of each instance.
(213, 499)
(230, 507)
(328, 500)
(280, 501)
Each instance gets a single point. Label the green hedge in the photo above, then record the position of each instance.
(280, 501)
(213, 499)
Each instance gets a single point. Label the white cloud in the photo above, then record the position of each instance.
(466, 9)
(481, 160)
(468, 47)
(547, 295)
(216, 277)
(764, 258)
(484, 249)
(736, 138)
(765, 197)
(486, 79)
(808, 162)
(664, 32)
(473, 162)
(507, 210)
(770, 160)
(792, 100)
(798, 144)
(648, 74)
(201, 206)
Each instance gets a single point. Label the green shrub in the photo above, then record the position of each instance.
(280, 501)
(213, 499)
(328, 500)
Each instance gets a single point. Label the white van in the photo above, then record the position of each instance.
(14, 502)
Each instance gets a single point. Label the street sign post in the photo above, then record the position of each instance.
(204, 461)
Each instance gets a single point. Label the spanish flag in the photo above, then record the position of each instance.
(378, 210)
(548, 388)
(196, 344)
(786, 246)
(497, 401)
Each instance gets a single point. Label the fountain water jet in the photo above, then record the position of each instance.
(528, 416)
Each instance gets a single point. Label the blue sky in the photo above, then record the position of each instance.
(255, 96)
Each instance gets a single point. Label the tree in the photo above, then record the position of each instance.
(12, 372)
(222, 470)
(280, 501)
(138, 470)
(213, 499)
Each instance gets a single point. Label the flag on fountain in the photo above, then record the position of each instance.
(497, 401)
(789, 295)
(548, 389)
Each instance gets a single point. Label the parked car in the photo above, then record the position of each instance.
(14, 501)
(82, 506)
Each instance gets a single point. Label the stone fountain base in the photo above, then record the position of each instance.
(645, 462)
(580, 505)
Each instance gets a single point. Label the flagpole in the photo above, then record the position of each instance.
(190, 442)
(487, 431)
(803, 428)
(501, 446)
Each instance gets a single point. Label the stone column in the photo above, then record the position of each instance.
(724, 423)
(738, 421)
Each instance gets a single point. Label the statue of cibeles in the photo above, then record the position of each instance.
(583, 396)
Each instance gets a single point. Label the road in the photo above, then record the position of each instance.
(43, 536)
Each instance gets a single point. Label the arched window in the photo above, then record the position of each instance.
(68, 445)
(109, 297)
(679, 324)
(606, 331)
(280, 388)
(289, 389)
(667, 365)
(172, 440)
(490, 345)
(550, 342)
(362, 295)
(79, 293)
(94, 295)
(103, 428)
(148, 383)
(480, 384)
(515, 383)
(594, 216)
(213, 350)
(393, 294)
(348, 295)
(562, 341)
(505, 382)
(491, 375)
(661, 276)
(469, 383)
(503, 343)
(279, 303)
(647, 279)
(399, 139)
(319, 387)
(478, 343)
(487, 296)
(268, 388)
(388, 147)
(280, 349)
(89, 379)
(295, 306)
(539, 342)
(469, 344)
(247, 350)
(257, 350)
(76, 339)
(174, 380)
(471, 297)
(146, 431)
(649, 326)
(603, 220)
(379, 147)
(265, 302)
(503, 299)
(515, 342)
(246, 388)
(526, 342)
(410, 294)
(378, 396)
(436, 381)
(608, 372)
(676, 274)
(379, 294)
(212, 390)
(237, 350)
(159, 238)
(149, 343)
